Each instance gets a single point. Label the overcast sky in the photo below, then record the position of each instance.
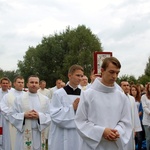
(123, 26)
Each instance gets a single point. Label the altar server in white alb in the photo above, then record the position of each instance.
(55, 88)
(63, 134)
(103, 117)
(4, 82)
(7, 102)
(136, 125)
(30, 115)
(43, 90)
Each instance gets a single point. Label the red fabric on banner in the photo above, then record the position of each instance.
(1, 130)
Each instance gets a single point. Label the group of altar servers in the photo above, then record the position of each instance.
(98, 118)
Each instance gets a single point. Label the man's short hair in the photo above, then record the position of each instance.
(73, 68)
(42, 81)
(32, 76)
(4, 78)
(18, 77)
(112, 60)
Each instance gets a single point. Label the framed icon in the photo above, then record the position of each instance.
(98, 60)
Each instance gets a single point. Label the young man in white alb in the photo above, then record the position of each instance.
(7, 102)
(103, 117)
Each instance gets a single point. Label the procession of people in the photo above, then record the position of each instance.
(77, 115)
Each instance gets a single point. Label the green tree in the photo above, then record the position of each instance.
(131, 79)
(81, 46)
(56, 53)
(143, 79)
(147, 69)
(10, 74)
(1, 73)
(28, 65)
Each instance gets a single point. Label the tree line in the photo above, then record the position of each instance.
(51, 58)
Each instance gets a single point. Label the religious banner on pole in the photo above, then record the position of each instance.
(98, 59)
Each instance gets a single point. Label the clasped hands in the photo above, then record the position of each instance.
(75, 103)
(32, 114)
(111, 134)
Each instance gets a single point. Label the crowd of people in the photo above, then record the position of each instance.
(77, 115)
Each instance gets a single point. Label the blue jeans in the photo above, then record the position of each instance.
(147, 133)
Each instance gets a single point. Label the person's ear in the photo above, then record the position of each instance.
(102, 70)
(69, 75)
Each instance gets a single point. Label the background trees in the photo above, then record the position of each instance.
(51, 59)
(147, 69)
(143, 79)
(10, 74)
(1, 73)
(131, 79)
(146, 76)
